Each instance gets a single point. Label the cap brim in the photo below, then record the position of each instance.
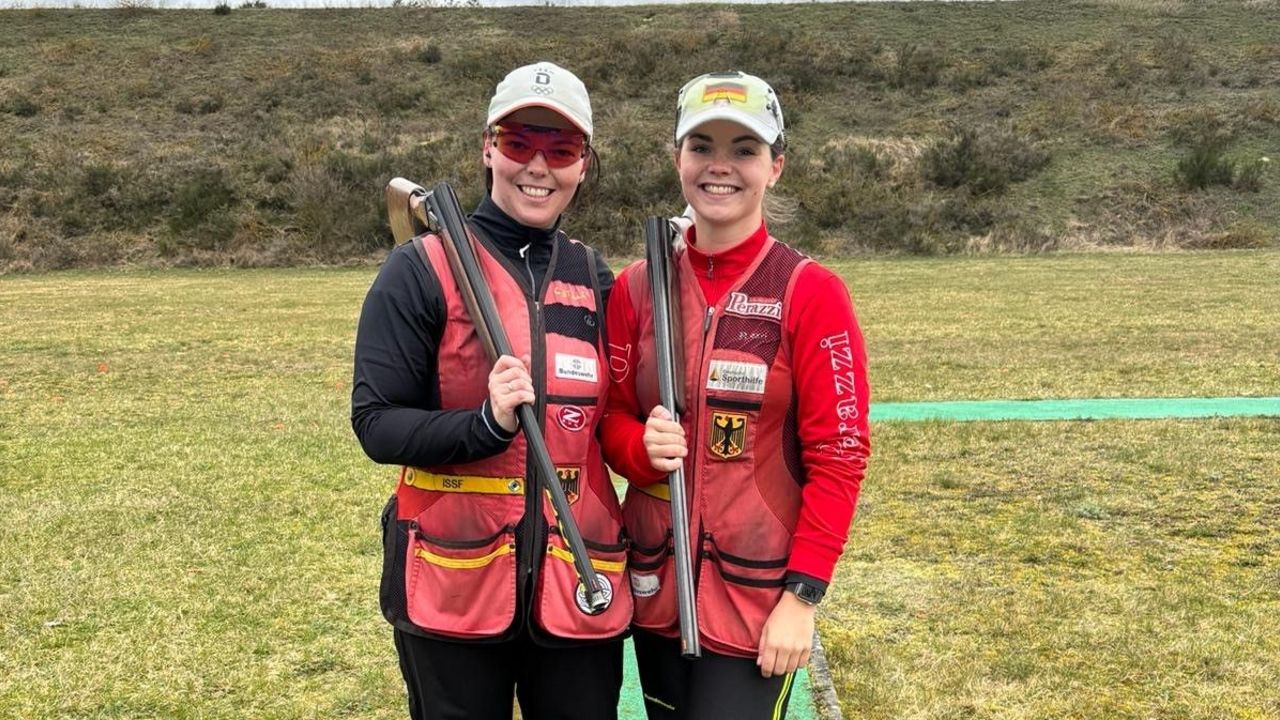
(766, 134)
(551, 105)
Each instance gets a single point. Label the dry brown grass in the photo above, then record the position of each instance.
(297, 106)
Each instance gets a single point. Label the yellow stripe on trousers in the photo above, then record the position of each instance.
(786, 688)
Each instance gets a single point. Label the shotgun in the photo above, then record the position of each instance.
(484, 313)
(668, 340)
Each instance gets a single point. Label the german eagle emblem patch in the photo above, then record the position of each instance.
(728, 434)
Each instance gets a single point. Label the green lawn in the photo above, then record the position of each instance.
(188, 528)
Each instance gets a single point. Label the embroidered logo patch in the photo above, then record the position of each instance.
(728, 434)
(575, 367)
(737, 376)
(743, 306)
(580, 597)
(571, 418)
(569, 481)
(644, 585)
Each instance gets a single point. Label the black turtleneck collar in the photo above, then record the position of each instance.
(511, 238)
(528, 249)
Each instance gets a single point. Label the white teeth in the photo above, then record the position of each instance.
(534, 191)
(719, 189)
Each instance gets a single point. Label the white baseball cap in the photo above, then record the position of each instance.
(546, 85)
(737, 96)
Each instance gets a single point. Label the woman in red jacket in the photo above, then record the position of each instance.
(774, 439)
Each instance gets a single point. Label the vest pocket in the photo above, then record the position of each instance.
(736, 595)
(461, 588)
(562, 600)
(647, 516)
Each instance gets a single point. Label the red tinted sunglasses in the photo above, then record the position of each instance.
(560, 147)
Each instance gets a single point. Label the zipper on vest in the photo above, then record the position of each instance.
(706, 327)
(524, 255)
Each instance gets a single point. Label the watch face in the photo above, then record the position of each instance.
(806, 592)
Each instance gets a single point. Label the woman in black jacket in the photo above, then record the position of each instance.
(476, 580)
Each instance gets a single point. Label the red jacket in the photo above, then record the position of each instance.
(824, 436)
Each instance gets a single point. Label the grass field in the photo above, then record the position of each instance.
(189, 530)
(184, 137)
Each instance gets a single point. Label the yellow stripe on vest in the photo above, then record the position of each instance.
(660, 490)
(608, 566)
(464, 563)
(426, 480)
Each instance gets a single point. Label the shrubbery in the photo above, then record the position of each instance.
(982, 162)
(903, 138)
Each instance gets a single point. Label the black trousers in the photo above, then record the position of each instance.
(476, 681)
(713, 687)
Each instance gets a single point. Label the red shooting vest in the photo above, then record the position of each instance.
(743, 475)
(461, 568)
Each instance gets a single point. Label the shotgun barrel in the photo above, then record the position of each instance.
(657, 245)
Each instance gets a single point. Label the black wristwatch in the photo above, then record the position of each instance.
(808, 594)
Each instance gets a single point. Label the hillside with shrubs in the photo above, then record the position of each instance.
(258, 136)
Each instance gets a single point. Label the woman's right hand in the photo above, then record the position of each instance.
(664, 441)
(510, 386)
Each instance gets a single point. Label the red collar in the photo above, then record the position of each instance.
(729, 263)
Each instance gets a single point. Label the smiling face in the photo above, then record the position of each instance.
(532, 193)
(724, 172)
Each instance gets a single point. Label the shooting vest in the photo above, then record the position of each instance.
(743, 474)
(461, 564)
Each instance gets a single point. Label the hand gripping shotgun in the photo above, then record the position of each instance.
(668, 339)
(412, 210)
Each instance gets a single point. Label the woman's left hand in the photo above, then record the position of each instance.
(787, 637)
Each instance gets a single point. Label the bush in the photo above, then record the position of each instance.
(916, 67)
(849, 185)
(103, 197)
(201, 210)
(983, 161)
(429, 54)
(21, 105)
(222, 9)
(135, 7)
(1205, 165)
